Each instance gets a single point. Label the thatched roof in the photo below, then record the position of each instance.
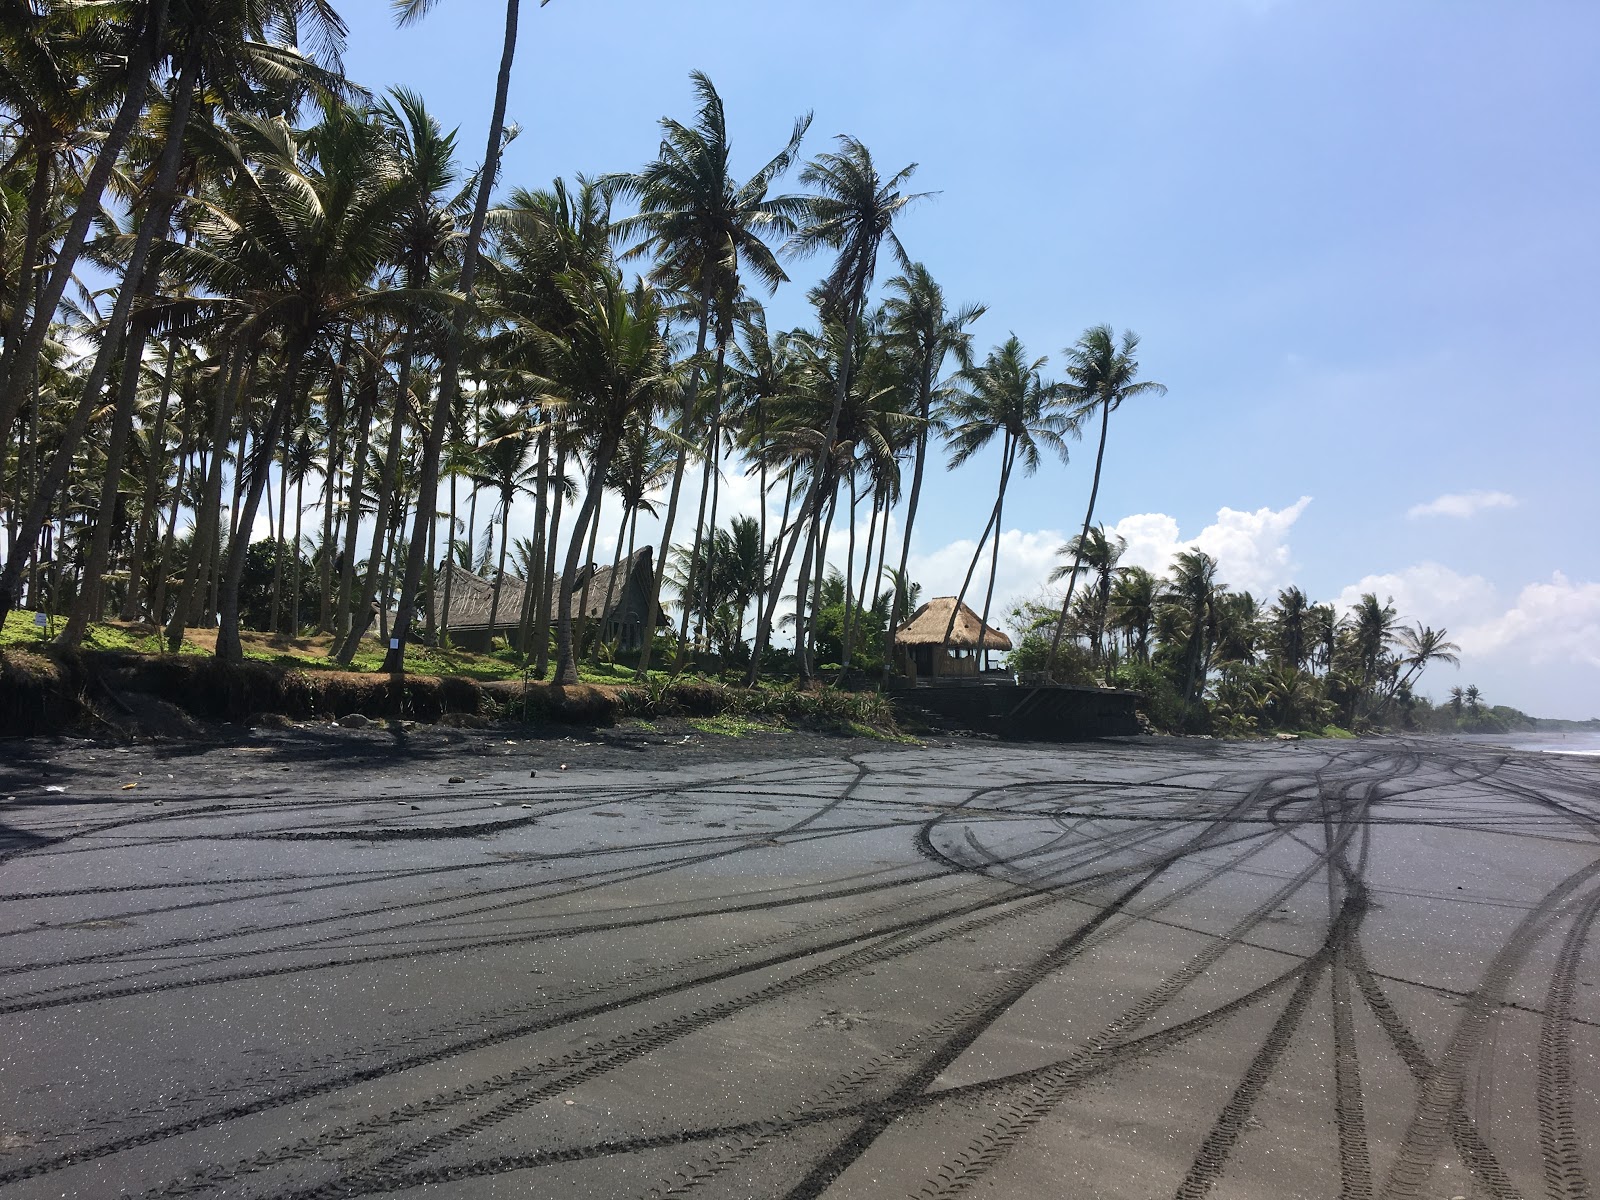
(640, 563)
(927, 625)
(472, 596)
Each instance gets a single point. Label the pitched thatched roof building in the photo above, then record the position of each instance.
(618, 600)
(917, 642)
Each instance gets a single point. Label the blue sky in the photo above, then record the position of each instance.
(1358, 241)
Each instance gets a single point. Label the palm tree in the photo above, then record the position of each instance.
(503, 466)
(1292, 627)
(1006, 395)
(607, 368)
(1096, 554)
(923, 333)
(1101, 374)
(1421, 645)
(703, 227)
(408, 12)
(293, 255)
(1372, 630)
(1193, 594)
(852, 213)
(1133, 609)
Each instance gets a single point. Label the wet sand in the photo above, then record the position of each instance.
(307, 964)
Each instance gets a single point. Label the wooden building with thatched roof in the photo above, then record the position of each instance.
(920, 649)
(618, 599)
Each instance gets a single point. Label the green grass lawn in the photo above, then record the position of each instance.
(309, 653)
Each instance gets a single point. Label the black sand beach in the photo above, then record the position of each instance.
(308, 964)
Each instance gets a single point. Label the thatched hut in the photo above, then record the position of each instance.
(618, 601)
(921, 651)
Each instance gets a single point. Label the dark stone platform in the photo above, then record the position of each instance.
(1020, 712)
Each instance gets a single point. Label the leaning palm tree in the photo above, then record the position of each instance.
(1420, 645)
(852, 213)
(922, 332)
(1102, 375)
(705, 230)
(407, 12)
(1008, 396)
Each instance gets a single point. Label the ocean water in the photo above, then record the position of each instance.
(1584, 743)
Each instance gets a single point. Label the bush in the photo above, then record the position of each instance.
(1161, 702)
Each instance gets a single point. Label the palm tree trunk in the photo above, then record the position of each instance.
(274, 612)
(294, 574)
(229, 647)
(872, 544)
(801, 587)
(994, 516)
(187, 465)
(330, 485)
(883, 548)
(19, 367)
(581, 621)
(208, 514)
(766, 613)
(386, 496)
(611, 582)
(342, 622)
(679, 467)
(500, 569)
(566, 660)
(701, 533)
(156, 218)
(850, 577)
(433, 444)
(897, 607)
(541, 502)
(450, 563)
(155, 473)
(994, 569)
(1077, 557)
(549, 584)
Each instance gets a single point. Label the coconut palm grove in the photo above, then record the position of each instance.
(282, 356)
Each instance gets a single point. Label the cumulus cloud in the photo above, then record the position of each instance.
(1558, 621)
(1539, 652)
(1251, 548)
(1462, 504)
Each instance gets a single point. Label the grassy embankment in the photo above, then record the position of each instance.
(45, 690)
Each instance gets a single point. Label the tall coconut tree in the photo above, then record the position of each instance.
(852, 213)
(607, 368)
(1005, 395)
(427, 234)
(293, 255)
(1193, 595)
(1102, 373)
(408, 12)
(705, 231)
(922, 331)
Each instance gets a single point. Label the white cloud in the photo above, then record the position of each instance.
(1558, 621)
(1540, 653)
(1251, 548)
(1462, 504)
